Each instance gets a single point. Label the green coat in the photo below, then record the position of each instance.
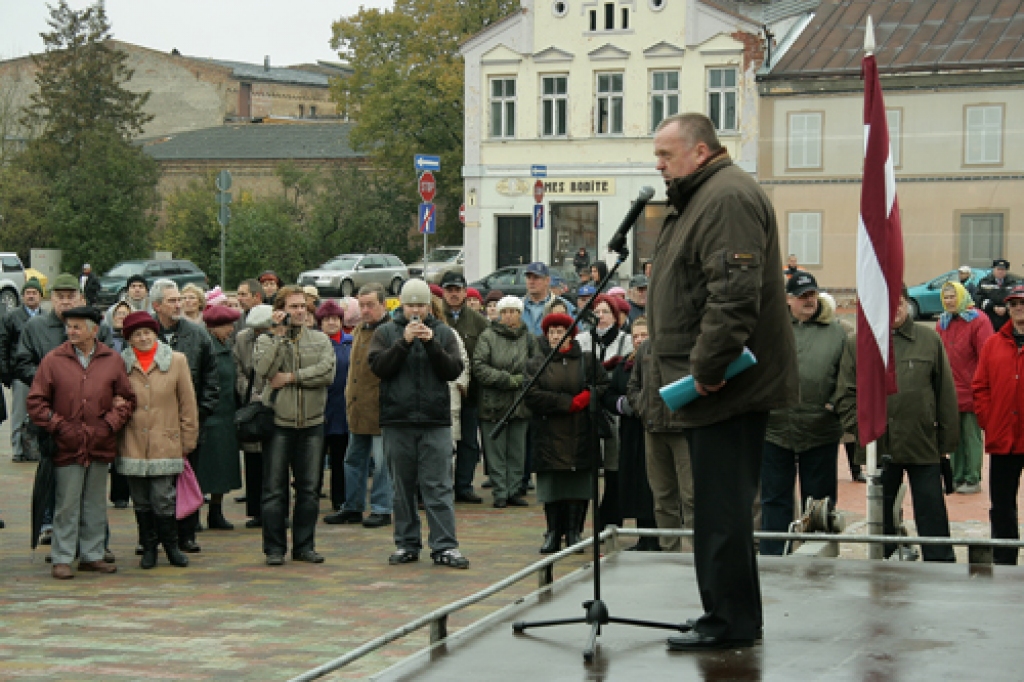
(819, 351)
(923, 417)
(469, 327)
(217, 463)
(501, 354)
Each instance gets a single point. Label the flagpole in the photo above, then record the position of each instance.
(874, 503)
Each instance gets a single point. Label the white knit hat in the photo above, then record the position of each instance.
(260, 316)
(513, 302)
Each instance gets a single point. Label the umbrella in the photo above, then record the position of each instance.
(42, 487)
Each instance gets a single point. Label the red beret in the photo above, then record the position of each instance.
(218, 315)
(558, 320)
(473, 293)
(140, 319)
(436, 290)
(330, 309)
(621, 303)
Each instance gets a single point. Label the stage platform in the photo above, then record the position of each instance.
(824, 619)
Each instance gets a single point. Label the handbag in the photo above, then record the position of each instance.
(254, 422)
(190, 495)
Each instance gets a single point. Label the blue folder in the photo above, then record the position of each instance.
(682, 391)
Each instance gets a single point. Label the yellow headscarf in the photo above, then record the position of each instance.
(964, 305)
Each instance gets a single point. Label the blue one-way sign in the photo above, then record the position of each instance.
(424, 162)
(539, 171)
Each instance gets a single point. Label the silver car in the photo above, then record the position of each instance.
(343, 275)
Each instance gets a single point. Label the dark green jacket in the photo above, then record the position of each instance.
(499, 364)
(923, 417)
(469, 327)
(819, 350)
(717, 286)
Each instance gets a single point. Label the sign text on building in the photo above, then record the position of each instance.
(576, 186)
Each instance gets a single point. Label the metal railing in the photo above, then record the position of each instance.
(437, 620)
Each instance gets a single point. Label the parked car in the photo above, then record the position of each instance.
(114, 284)
(441, 260)
(926, 299)
(511, 281)
(343, 275)
(12, 279)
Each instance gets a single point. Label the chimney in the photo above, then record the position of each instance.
(266, 63)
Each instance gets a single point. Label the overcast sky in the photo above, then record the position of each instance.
(290, 31)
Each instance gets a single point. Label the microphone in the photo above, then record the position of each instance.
(619, 240)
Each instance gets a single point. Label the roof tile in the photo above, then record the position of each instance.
(255, 141)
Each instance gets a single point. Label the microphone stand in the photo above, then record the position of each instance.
(596, 611)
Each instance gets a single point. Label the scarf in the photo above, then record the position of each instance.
(965, 309)
(145, 357)
(336, 338)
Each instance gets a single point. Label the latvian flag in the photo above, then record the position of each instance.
(879, 265)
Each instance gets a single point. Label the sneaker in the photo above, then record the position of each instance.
(46, 537)
(451, 558)
(343, 517)
(969, 489)
(275, 560)
(377, 520)
(310, 556)
(403, 556)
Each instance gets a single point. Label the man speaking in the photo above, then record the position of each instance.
(717, 287)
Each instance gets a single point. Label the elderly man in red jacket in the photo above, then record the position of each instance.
(999, 403)
(81, 395)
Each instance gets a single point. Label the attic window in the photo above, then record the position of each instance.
(625, 18)
(656, 5)
(593, 20)
(609, 16)
(559, 8)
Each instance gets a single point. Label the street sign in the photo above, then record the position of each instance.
(539, 171)
(538, 191)
(224, 181)
(427, 223)
(462, 214)
(223, 215)
(223, 198)
(424, 162)
(427, 186)
(538, 217)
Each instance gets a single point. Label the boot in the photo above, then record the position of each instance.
(576, 512)
(186, 533)
(215, 519)
(554, 513)
(167, 531)
(148, 537)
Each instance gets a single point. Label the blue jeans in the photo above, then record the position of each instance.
(301, 451)
(357, 470)
(467, 452)
(779, 470)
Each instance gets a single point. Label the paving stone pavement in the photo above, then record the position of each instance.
(228, 616)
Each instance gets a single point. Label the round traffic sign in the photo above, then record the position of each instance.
(462, 214)
(538, 191)
(428, 186)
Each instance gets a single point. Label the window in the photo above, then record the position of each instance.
(572, 225)
(608, 112)
(722, 98)
(312, 111)
(984, 143)
(302, 111)
(625, 18)
(503, 107)
(559, 8)
(11, 264)
(593, 20)
(554, 106)
(981, 239)
(805, 140)
(805, 237)
(664, 96)
(894, 117)
(609, 16)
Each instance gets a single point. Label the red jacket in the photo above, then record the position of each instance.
(76, 405)
(999, 393)
(963, 342)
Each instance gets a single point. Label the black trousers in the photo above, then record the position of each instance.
(336, 445)
(726, 461)
(1003, 483)
(926, 493)
(118, 486)
(780, 468)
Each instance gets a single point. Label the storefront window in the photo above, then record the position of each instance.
(645, 234)
(572, 226)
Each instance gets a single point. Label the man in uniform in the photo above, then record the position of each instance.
(716, 288)
(992, 291)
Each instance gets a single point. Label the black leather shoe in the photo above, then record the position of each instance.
(517, 501)
(377, 521)
(469, 498)
(344, 517)
(190, 546)
(254, 522)
(310, 556)
(695, 641)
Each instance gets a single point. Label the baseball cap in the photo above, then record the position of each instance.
(1016, 292)
(65, 282)
(638, 282)
(965, 268)
(1000, 263)
(453, 279)
(585, 290)
(801, 283)
(538, 268)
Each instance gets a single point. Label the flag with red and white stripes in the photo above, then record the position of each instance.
(879, 264)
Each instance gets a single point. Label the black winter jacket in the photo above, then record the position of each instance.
(11, 325)
(561, 441)
(414, 376)
(39, 336)
(194, 342)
